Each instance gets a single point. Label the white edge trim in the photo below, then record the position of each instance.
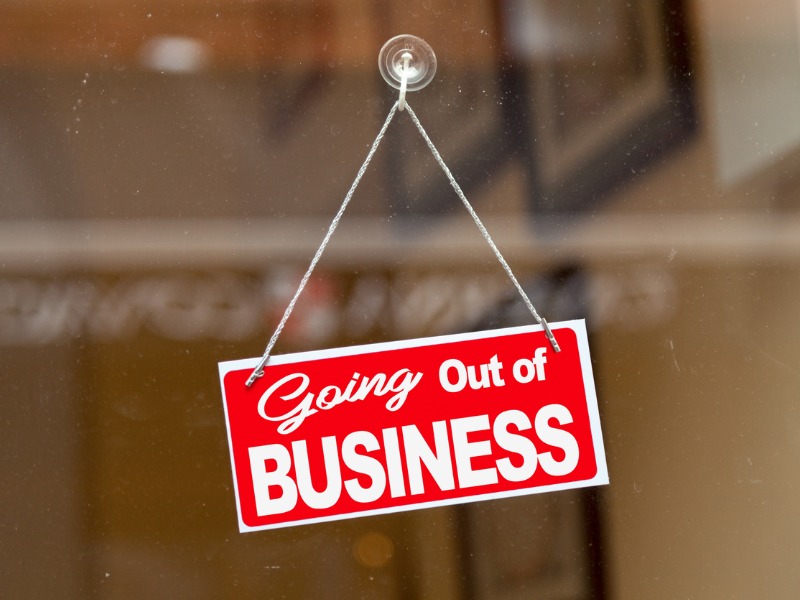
(578, 326)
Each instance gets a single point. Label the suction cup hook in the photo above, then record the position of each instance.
(407, 63)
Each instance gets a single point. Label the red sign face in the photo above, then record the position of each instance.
(366, 430)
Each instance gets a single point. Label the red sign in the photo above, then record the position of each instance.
(375, 429)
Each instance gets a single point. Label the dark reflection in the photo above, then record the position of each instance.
(542, 546)
(601, 89)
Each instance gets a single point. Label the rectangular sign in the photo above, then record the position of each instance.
(382, 428)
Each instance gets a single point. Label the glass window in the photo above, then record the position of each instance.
(168, 169)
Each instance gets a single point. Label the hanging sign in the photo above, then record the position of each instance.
(376, 429)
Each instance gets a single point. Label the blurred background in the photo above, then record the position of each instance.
(168, 168)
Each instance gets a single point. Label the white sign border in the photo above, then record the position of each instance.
(578, 326)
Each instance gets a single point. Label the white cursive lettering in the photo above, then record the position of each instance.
(295, 417)
(359, 388)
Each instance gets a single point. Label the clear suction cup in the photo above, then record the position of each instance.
(412, 54)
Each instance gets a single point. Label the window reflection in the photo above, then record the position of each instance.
(167, 170)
